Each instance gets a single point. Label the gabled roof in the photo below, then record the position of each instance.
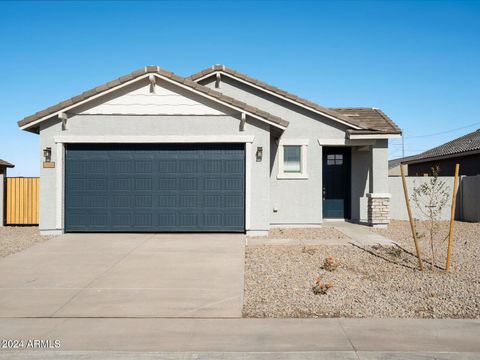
(373, 119)
(459, 146)
(4, 164)
(140, 73)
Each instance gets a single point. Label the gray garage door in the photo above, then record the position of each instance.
(155, 187)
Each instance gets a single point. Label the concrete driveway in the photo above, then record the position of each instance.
(126, 275)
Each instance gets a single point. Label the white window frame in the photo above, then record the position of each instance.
(303, 174)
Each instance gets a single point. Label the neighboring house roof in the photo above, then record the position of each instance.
(395, 162)
(4, 163)
(366, 119)
(461, 146)
(226, 100)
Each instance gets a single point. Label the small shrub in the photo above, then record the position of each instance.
(320, 287)
(330, 264)
(430, 198)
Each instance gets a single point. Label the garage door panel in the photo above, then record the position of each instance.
(169, 187)
(166, 219)
(167, 166)
(167, 200)
(122, 219)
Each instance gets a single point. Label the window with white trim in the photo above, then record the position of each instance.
(292, 160)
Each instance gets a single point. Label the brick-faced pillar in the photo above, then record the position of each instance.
(378, 209)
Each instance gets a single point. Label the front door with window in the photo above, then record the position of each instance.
(336, 182)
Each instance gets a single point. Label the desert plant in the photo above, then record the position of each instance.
(430, 198)
(330, 264)
(319, 287)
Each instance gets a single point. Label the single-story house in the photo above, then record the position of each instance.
(464, 150)
(4, 165)
(218, 151)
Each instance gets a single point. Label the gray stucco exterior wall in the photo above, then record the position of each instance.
(379, 167)
(299, 201)
(360, 172)
(131, 125)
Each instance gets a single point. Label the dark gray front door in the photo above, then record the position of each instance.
(336, 182)
(155, 187)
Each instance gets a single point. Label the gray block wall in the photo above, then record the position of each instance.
(470, 192)
(398, 208)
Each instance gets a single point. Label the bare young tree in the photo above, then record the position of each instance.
(430, 198)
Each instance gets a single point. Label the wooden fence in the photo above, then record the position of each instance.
(22, 206)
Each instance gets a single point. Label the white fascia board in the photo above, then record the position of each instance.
(155, 139)
(374, 136)
(294, 142)
(280, 96)
(26, 126)
(345, 142)
(73, 106)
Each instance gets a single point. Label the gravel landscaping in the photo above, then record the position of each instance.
(375, 281)
(16, 238)
(324, 232)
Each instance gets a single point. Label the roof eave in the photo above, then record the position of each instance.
(441, 157)
(99, 91)
(372, 134)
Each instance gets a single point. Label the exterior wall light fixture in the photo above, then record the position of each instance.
(259, 153)
(47, 154)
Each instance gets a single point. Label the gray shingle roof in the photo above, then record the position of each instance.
(154, 69)
(4, 163)
(365, 118)
(464, 144)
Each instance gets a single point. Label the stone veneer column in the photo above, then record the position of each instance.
(378, 209)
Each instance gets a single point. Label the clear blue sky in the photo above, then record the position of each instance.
(418, 61)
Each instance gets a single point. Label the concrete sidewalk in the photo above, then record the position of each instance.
(248, 338)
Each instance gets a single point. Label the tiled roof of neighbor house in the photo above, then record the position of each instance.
(396, 162)
(4, 163)
(154, 69)
(461, 145)
(366, 118)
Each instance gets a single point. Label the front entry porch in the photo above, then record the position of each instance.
(355, 181)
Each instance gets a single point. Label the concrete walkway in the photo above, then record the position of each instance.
(247, 338)
(360, 235)
(126, 275)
